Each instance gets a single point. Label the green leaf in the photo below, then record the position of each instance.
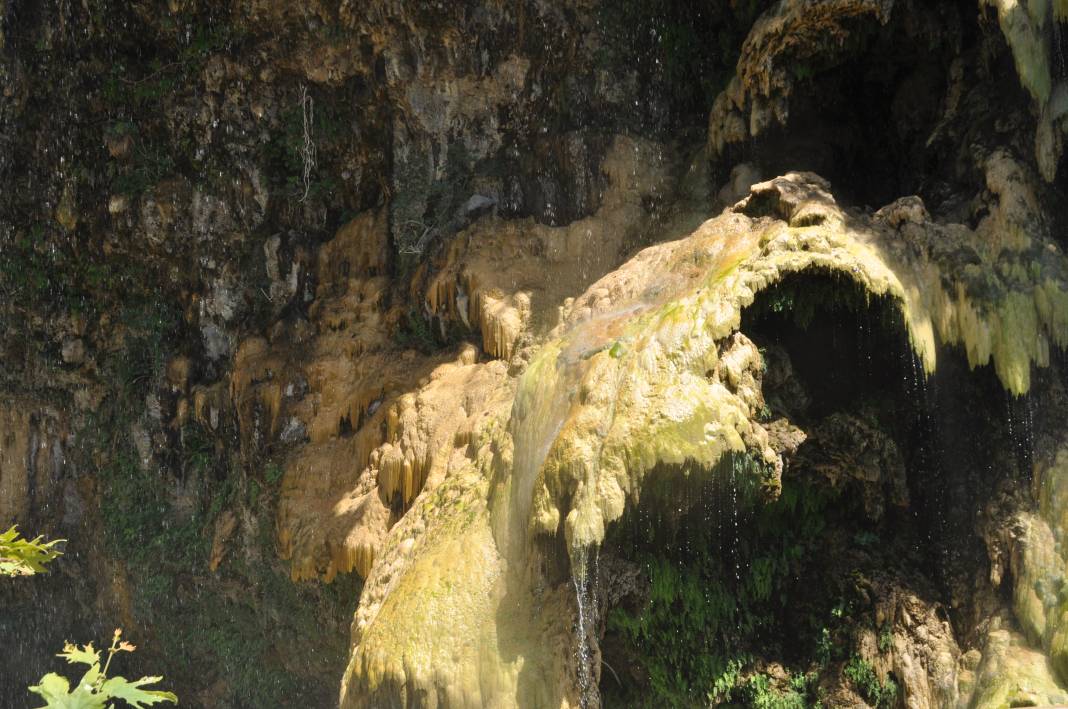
(132, 694)
(91, 677)
(85, 654)
(52, 687)
(56, 691)
(23, 557)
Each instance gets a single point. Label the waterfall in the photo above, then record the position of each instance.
(585, 585)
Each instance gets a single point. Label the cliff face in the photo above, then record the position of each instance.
(477, 320)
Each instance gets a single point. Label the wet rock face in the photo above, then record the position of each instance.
(208, 225)
(846, 449)
(34, 462)
(652, 349)
(418, 294)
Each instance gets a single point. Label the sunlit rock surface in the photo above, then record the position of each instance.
(1039, 561)
(1013, 674)
(647, 370)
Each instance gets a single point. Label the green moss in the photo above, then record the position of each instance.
(800, 692)
(151, 164)
(273, 473)
(714, 591)
(330, 127)
(880, 694)
(139, 519)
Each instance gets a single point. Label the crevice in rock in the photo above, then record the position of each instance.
(888, 112)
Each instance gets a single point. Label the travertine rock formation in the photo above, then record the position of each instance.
(646, 370)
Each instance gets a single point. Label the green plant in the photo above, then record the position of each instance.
(878, 693)
(802, 71)
(197, 449)
(805, 299)
(273, 473)
(707, 593)
(680, 632)
(886, 639)
(119, 129)
(139, 520)
(825, 646)
(306, 126)
(865, 538)
(32, 271)
(95, 689)
(148, 325)
(209, 40)
(25, 557)
(724, 683)
(254, 491)
(415, 333)
(759, 693)
(151, 163)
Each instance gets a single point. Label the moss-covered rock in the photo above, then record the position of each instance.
(647, 371)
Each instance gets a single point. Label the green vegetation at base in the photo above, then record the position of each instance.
(244, 632)
(881, 695)
(95, 689)
(701, 603)
(237, 624)
(800, 692)
(727, 594)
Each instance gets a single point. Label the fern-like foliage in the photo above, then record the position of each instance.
(95, 689)
(878, 693)
(25, 557)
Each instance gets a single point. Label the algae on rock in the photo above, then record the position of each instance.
(647, 370)
(1040, 559)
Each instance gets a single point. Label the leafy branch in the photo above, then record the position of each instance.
(25, 557)
(95, 688)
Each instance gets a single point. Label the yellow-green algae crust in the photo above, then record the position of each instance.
(646, 370)
(652, 391)
(1026, 26)
(1040, 562)
(1014, 675)
(446, 620)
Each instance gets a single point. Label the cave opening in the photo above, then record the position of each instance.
(711, 594)
(873, 117)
